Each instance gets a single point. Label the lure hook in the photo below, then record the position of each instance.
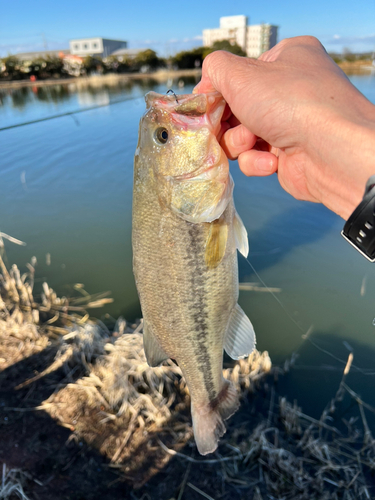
(170, 90)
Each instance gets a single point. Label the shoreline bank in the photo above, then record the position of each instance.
(350, 68)
(82, 411)
(357, 67)
(109, 78)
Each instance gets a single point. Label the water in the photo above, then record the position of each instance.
(66, 189)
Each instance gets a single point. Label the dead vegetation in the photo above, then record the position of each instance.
(139, 418)
(12, 482)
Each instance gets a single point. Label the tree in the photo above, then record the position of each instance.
(189, 58)
(348, 55)
(90, 64)
(225, 45)
(146, 58)
(12, 68)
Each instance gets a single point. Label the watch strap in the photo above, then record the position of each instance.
(359, 229)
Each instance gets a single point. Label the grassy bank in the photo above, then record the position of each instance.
(98, 80)
(83, 416)
(356, 67)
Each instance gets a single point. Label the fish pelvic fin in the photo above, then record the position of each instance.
(240, 338)
(154, 353)
(208, 421)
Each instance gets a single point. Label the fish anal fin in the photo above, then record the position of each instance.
(216, 242)
(240, 234)
(208, 421)
(154, 353)
(240, 337)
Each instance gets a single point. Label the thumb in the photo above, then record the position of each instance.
(216, 72)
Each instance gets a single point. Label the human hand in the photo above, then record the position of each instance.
(294, 112)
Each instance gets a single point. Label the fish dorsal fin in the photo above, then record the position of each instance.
(240, 337)
(240, 234)
(154, 353)
(216, 242)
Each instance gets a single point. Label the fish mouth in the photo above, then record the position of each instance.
(189, 110)
(185, 104)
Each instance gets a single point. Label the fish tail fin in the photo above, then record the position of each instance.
(208, 421)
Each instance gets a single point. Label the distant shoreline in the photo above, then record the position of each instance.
(357, 67)
(350, 68)
(109, 78)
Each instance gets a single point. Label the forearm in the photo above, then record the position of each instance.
(341, 163)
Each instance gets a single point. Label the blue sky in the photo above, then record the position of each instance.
(167, 26)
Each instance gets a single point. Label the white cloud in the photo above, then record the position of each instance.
(366, 39)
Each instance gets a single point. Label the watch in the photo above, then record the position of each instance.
(359, 229)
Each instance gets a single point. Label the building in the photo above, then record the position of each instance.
(31, 56)
(259, 38)
(123, 54)
(253, 39)
(97, 46)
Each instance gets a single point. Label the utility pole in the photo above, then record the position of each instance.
(44, 42)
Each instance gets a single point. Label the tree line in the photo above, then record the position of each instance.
(146, 61)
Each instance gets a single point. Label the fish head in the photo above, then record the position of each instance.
(178, 141)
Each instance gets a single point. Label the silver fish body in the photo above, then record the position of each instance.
(185, 235)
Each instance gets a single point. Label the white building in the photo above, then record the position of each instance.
(97, 46)
(253, 39)
(259, 38)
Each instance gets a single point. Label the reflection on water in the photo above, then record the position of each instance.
(27, 103)
(29, 96)
(66, 189)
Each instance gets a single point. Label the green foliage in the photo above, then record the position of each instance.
(42, 67)
(90, 64)
(146, 58)
(11, 67)
(225, 45)
(189, 58)
(193, 58)
(336, 57)
(348, 55)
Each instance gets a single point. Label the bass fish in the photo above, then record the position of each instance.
(185, 235)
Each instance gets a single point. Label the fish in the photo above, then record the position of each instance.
(185, 236)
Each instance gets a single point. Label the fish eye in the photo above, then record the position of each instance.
(161, 135)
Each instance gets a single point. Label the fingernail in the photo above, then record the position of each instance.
(264, 164)
(237, 139)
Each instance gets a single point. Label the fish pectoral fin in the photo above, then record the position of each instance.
(216, 242)
(154, 353)
(240, 337)
(240, 234)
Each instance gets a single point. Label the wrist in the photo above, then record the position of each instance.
(347, 165)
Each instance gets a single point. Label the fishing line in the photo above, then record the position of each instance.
(275, 297)
(68, 113)
(306, 335)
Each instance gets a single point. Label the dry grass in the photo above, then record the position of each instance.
(138, 417)
(12, 483)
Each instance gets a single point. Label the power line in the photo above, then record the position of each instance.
(68, 113)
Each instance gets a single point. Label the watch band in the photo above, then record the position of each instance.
(359, 229)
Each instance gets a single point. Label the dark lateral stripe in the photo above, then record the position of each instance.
(199, 306)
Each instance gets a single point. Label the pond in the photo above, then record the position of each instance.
(66, 190)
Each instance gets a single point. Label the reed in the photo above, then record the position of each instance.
(138, 417)
(12, 484)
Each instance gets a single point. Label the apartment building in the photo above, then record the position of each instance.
(253, 39)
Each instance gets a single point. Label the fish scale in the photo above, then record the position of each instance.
(184, 253)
